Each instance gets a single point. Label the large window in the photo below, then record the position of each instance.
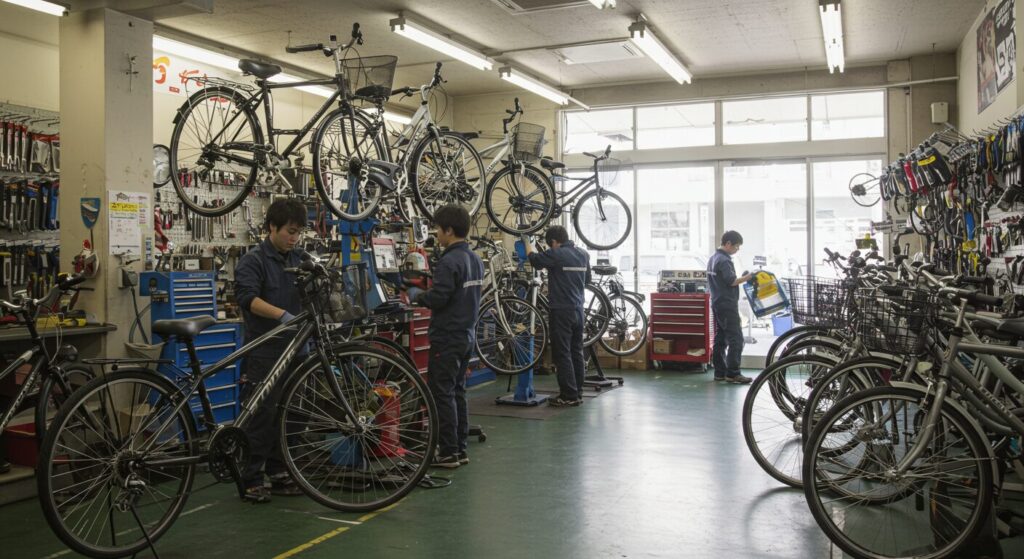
(848, 115)
(595, 130)
(672, 126)
(759, 121)
(838, 220)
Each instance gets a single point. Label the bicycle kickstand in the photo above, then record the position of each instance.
(145, 534)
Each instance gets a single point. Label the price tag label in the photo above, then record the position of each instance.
(192, 264)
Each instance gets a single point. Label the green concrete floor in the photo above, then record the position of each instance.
(655, 469)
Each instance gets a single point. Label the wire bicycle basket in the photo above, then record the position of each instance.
(817, 301)
(895, 319)
(608, 171)
(369, 77)
(528, 144)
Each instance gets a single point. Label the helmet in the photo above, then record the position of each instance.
(415, 262)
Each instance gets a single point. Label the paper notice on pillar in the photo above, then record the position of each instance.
(126, 221)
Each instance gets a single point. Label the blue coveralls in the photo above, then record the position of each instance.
(568, 274)
(725, 298)
(260, 273)
(454, 301)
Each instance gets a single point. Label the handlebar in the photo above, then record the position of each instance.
(357, 39)
(65, 282)
(437, 76)
(602, 157)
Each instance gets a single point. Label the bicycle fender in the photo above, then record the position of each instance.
(383, 180)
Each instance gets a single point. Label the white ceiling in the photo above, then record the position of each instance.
(713, 37)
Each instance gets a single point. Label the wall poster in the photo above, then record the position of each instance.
(997, 52)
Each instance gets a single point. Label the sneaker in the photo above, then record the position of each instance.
(282, 485)
(463, 458)
(451, 461)
(719, 379)
(561, 402)
(738, 379)
(256, 495)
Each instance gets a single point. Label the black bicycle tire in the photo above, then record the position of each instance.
(607, 304)
(530, 170)
(46, 451)
(321, 189)
(44, 395)
(537, 353)
(866, 364)
(579, 231)
(179, 124)
(413, 376)
(644, 318)
(794, 333)
(822, 516)
(414, 175)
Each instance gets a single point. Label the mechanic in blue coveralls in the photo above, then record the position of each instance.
(725, 299)
(454, 301)
(568, 269)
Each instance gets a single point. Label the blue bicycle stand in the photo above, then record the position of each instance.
(524, 394)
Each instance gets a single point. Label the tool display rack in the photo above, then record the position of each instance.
(685, 320)
(184, 295)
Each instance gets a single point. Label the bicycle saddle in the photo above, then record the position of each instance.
(183, 327)
(551, 164)
(603, 270)
(1007, 330)
(259, 69)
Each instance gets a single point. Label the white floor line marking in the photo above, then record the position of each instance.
(352, 522)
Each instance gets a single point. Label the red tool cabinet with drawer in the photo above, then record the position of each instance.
(681, 328)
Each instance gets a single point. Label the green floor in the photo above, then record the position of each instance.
(655, 469)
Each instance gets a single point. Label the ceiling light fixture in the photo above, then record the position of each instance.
(641, 35)
(440, 43)
(40, 6)
(832, 30)
(532, 85)
(602, 4)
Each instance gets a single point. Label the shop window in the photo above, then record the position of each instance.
(848, 115)
(758, 121)
(671, 126)
(593, 131)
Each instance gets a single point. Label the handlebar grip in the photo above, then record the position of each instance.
(831, 254)
(893, 290)
(355, 30)
(66, 282)
(588, 154)
(983, 299)
(607, 150)
(975, 280)
(304, 48)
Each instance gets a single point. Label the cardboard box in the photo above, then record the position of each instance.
(661, 346)
(607, 360)
(636, 361)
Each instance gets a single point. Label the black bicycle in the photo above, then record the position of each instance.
(54, 373)
(601, 218)
(357, 429)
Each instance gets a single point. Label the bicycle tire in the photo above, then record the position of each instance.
(818, 493)
(591, 240)
(867, 373)
(815, 346)
(541, 199)
(623, 327)
(781, 460)
(80, 410)
(596, 315)
(51, 398)
(382, 389)
(367, 148)
(181, 120)
(789, 337)
(463, 187)
(493, 340)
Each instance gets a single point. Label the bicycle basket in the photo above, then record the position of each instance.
(529, 141)
(824, 302)
(608, 171)
(896, 320)
(369, 77)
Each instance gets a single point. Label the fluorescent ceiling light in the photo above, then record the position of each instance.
(440, 43)
(40, 6)
(193, 52)
(832, 30)
(602, 4)
(642, 36)
(511, 75)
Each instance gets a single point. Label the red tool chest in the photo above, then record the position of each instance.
(681, 326)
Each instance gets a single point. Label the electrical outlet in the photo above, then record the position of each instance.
(127, 279)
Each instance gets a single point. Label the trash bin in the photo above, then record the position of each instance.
(782, 323)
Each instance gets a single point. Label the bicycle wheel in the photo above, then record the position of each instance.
(520, 199)
(52, 396)
(369, 463)
(844, 380)
(865, 189)
(597, 314)
(627, 328)
(510, 335)
(333, 148)
(446, 170)
(772, 412)
(933, 510)
(792, 336)
(602, 221)
(213, 151)
(97, 476)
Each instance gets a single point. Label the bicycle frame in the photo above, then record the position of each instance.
(39, 359)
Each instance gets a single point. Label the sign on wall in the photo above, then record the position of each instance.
(175, 75)
(997, 53)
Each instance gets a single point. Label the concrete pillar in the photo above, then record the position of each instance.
(106, 143)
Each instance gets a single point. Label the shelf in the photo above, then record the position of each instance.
(19, 333)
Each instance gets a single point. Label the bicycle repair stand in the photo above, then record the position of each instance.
(599, 380)
(524, 394)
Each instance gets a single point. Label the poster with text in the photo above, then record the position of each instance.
(986, 61)
(1006, 44)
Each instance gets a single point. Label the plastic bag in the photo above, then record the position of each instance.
(765, 294)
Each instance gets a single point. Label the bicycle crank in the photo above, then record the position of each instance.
(228, 451)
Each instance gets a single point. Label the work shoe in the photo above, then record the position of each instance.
(282, 485)
(738, 379)
(256, 495)
(463, 458)
(719, 379)
(450, 461)
(561, 402)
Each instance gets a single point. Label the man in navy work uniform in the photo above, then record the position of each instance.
(268, 297)
(454, 301)
(725, 299)
(568, 269)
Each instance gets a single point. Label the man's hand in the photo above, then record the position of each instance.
(286, 317)
(527, 244)
(413, 293)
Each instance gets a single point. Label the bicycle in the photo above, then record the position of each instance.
(357, 429)
(54, 372)
(627, 322)
(601, 218)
